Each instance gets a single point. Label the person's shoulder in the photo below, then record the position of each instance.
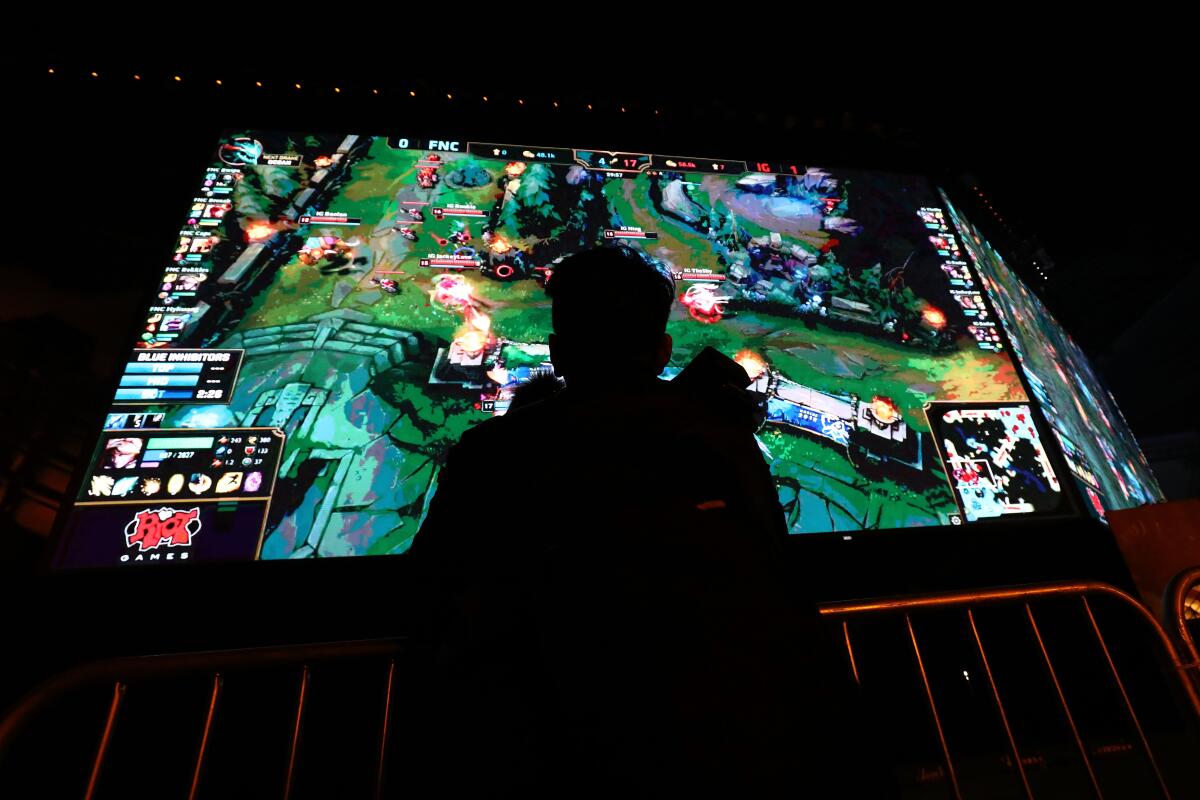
(515, 424)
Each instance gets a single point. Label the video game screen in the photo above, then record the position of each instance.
(1100, 451)
(336, 310)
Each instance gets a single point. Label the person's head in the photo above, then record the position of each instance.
(610, 309)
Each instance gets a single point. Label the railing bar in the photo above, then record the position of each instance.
(1012, 741)
(1162, 784)
(291, 768)
(850, 652)
(109, 724)
(933, 707)
(383, 735)
(1185, 671)
(208, 720)
(1062, 698)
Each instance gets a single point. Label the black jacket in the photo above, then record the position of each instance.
(610, 605)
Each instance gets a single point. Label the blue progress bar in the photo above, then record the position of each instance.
(152, 394)
(160, 380)
(139, 367)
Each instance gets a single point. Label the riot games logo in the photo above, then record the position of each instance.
(151, 529)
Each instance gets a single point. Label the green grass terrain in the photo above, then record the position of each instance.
(821, 488)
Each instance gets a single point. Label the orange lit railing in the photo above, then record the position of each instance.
(1162, 744)
(1024, 601)
(123, 673)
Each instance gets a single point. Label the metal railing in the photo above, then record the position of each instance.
(121, 673)
(1026, 598)
(858, 625)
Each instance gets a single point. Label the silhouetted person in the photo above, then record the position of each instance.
(612, 612)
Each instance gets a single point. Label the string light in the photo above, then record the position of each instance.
(449, 96)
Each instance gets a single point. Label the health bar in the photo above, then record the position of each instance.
(461, 212)
(700, 276)
(448, 262)
(350, 221)
(630, 235)
(180, 443)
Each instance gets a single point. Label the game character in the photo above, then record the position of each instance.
(452, 290)
(317, 248)
(407, 232)
(174, 323)
(190, 282)
(122, 453)
(415, 214)
(461, 237)
(386, 284)
(427, 177)
(703, 302)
